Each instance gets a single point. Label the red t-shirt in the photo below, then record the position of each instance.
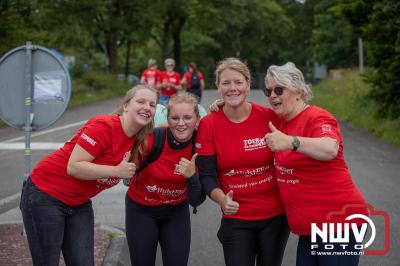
(311, 189)
(188, 76)
(244, 162)
(152, 77)
(174, 79)
(160, 183)
(103, 137)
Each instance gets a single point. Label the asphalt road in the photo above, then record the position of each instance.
(375, 167)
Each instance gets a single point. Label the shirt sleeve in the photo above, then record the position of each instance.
(324, 126)
(196, 196)
(95, 137)
(206, 161)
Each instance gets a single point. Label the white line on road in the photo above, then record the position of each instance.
(10, 198)
(48, 131)
(34, 145)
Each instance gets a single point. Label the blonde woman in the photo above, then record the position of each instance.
(237, 171)
(55, 202)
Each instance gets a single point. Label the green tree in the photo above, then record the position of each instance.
(333, 39)
(378, 22)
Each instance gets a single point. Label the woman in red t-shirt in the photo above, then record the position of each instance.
(314, 181)
(55, 201)
(194, 81)
(157, 208)
(170, 82)
(236, 171)
(151, 76)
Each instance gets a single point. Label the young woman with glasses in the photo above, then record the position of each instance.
(157, 200)
(237, 172)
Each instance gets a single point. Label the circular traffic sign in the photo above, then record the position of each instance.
(49, 80)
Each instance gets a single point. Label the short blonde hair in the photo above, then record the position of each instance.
(290, 77)
(152, 62)
(233, 64)
(169, 61)
(184, 97)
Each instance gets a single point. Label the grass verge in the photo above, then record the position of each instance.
(346, 98)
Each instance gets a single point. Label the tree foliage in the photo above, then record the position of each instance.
(378, 22)
(120, 35)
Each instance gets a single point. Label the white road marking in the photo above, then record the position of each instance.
(34, 145)
(48, 131)
(10, 198)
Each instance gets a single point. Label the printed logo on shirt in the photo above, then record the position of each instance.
(151, 188)
(88, 139)
(251, 183)
(249, 172)
(326, 128)
(165, 191)
(111, 181)
(284, 171)
(198, 145)
(254, 144)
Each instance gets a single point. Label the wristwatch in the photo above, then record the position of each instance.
(295, 143)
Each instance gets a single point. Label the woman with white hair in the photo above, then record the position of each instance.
(313, 178)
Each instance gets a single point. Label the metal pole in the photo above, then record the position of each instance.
(28, 110)
(360, 56)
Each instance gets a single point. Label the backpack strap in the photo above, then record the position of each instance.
(159, 134)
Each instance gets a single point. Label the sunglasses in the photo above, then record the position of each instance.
(277, 90)
(169, 65)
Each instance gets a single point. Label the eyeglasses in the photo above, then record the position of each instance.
(169, 65)
(174, 120)
(277, 90)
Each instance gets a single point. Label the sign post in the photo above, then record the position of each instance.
(35, 89)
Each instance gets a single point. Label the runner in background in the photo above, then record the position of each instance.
(194, 81)
(170, 82)
(151, 76)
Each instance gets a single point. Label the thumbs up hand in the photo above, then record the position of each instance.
(276, 140)
(125, 169)
(229, 206)
(186, 167)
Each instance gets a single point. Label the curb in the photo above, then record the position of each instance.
(116, 247)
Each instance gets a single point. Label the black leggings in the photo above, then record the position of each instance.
(168, 225)
(245, 241)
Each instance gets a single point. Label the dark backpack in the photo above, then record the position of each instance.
(195, 81)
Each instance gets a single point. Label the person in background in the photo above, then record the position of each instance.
(194, 81)
(313, 178)
(157, 200)
(236, 171)
(151, 76)
(170, 82)
(55, 201)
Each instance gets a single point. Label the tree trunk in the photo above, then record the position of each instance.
(127, 58)
(176, 35)
(112, 48)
